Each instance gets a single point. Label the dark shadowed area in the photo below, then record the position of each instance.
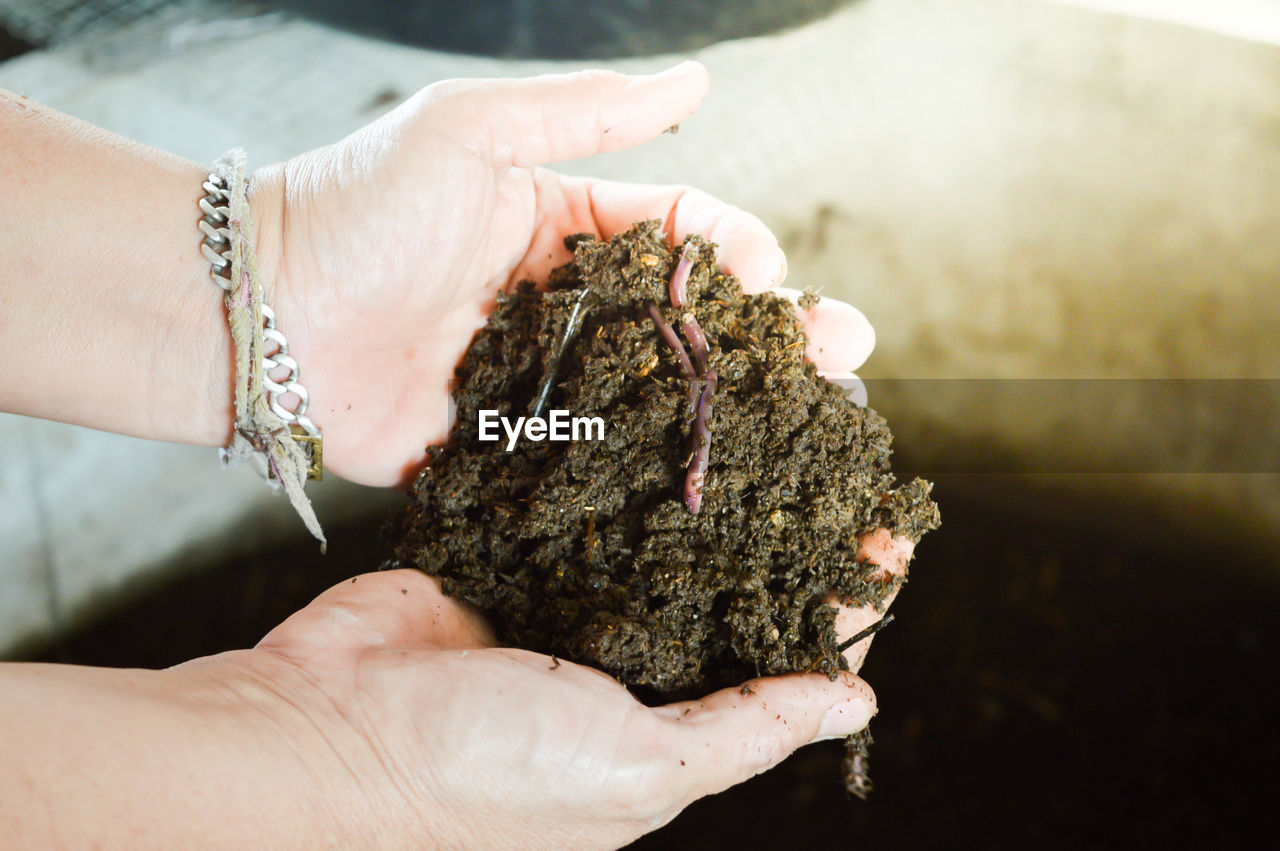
(563, 29)
(1032, 691)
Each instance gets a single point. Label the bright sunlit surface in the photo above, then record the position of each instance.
(1256, 20)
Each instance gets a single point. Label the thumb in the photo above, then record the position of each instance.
(393, 608)
(555, 117)
(737, 733)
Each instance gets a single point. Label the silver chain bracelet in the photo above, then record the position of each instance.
(216, 247)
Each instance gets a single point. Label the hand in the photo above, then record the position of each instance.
(388, 248)
(381, 715)
(470, 744)
(437, 737)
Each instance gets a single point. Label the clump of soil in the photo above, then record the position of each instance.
(588, 549)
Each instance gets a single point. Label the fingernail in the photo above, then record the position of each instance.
(845, 718)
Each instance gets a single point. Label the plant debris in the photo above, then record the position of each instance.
(857, 764)
(674, 566)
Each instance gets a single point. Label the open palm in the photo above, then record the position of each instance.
(454, 741)
(388, 248)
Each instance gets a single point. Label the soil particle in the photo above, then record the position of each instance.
(588, 549)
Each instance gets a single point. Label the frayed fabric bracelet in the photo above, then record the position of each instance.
(287, 441)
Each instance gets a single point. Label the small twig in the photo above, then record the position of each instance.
(571, 329)
(697, 474)
(871, 630)
(669, 335)
(591, 530)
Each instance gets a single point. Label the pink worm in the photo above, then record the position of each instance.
(697, 474)
(680, 278)
(669, 335)
(680, 298)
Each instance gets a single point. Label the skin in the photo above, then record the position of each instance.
(382, 714)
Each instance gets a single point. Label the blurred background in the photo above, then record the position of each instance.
(1062, 220)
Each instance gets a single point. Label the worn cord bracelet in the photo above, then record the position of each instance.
(288, 441)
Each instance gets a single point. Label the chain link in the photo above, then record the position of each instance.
(216, 206)
(288, 383)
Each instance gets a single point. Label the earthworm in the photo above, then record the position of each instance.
(700, 398)
(697, 341)
(669, 335)
(697, 474)
(680, 299)
(680, 278)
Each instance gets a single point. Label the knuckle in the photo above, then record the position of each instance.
(646, 799)
(446, 91)
(651, 812)
(766, 751)
(597, 75)
(697, 199)
(647, 795)
(465, 103)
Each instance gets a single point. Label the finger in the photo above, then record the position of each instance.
(556, 117)
(840, 336)
(854, 390)
(734, 734)
(394, 608)
(891, 554)
(747, 248)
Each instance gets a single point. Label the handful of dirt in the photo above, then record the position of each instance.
(591, 550)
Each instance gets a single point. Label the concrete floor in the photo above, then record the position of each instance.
(1009, 190)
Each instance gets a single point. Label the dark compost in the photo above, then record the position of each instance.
(695, 544)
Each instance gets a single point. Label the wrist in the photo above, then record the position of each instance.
(341, 783)
(266, 197)
(200, 333)
(203, 752)
(269, 205)
(292, 763)
(272, 427)
(217, 362)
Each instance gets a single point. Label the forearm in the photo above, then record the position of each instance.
(142, 759)
(107, 314)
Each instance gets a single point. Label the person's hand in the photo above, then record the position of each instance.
(422, 732)
(388, 248)
(458, 742)
(381, 715)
